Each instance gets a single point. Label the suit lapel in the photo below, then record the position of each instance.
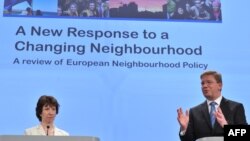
(224, 110)
(206, 113)
(224, 107)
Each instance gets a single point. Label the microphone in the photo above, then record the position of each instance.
(48, 129)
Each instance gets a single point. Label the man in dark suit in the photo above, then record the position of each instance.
(209, 118)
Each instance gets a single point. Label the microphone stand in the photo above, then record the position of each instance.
(48, 130)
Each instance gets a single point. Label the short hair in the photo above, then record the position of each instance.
(44, 101)
(215, 74)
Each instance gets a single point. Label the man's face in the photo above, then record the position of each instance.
(59, 11)
(197, 3)
(180, 11)
(210, 88)
(92, 6)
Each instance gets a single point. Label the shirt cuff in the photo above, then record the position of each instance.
(182, 133)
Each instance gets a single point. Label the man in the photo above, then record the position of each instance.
(91, 10)
(99, 8)
(209, 119)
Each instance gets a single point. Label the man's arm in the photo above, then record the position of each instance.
(240, 117)
(233, 113)
(188, 135)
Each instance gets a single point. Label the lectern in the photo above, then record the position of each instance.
(47, 138)
(211, 139)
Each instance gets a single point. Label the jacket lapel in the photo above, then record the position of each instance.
(224, 107)
(206, 113)
(224, 110)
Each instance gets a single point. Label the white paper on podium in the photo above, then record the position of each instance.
(211, 139)
(47, 138)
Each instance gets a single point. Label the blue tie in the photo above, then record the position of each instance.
(212, 117)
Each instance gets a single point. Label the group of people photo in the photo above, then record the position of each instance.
(194, 9)
(83, 8)
(186, 10)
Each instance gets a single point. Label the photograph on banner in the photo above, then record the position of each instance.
(161, 10)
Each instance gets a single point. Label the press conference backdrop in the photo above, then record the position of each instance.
(120, 76)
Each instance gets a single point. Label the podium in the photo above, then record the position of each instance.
(47, 138)
(211, 139)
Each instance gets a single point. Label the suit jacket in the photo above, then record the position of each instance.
(38, 130)
(199, 120)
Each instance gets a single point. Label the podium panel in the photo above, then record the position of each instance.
(211, 139)
(47, 138)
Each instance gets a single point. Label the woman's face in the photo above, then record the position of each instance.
(73, 8)
(48, 114)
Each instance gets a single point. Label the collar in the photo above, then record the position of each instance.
(218, 101)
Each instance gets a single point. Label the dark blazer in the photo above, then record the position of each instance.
(199, 121)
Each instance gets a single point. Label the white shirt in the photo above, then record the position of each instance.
(38, 130)
(217, 101)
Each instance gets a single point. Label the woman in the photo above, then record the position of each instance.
(46, 110)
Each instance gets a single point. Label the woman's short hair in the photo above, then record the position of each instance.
(46, 101)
